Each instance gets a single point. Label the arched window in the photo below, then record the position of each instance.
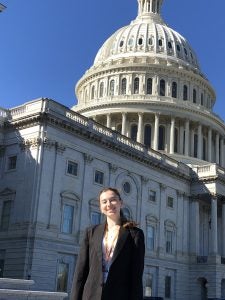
(149, 86)
(93, 92)
(101, 90)
(133, 133)
(161, 138)
(185, 92)
(147, 135)
(148, 5)
(160, 42)
(176, 140)
(174, 89)
(153, 6)
(111, 87)
(194, 96)
(136, 85)
(162, 87)
(195, 145)
(124, 86)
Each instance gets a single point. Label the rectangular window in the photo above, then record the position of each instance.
(72, 168)
(99, 177)
(152, 196)
(5, 217)
(95, 218)
(170, 202)
(12, 162)
(149, 286)
(169, 241)
(62, 277)
(168, 287)
(67, 220)
(150, 237)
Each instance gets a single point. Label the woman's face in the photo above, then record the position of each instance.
(110, 204)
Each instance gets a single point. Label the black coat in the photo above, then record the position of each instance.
(124, 280)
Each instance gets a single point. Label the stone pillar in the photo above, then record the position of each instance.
(180, 222)
(194, 227)
(210, 145)
(172, 133)
(217, 148)
(199, 151)
(222, 152)
(192, 141)
(223, 228)
(108, 122)
(214, 237)
(124, 123)
(181, 140)
(156, 133)
(187, 129)
(140, 128)
(161, 248)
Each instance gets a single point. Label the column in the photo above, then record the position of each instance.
(140, 128)
(187, 129)
(214, 238)
(181, 140)
(210, 145)
(124, 123)
(172, 133)
(199, 151)
(217, 148)
(108, 122)
(221, 152)
(161, 246)
(156, 133)
(223, 228)
(192, 142)
(194, 227)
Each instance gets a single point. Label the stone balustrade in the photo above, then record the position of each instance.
(19, 289)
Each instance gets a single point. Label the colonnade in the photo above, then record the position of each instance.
(213, 227)
(190, 138)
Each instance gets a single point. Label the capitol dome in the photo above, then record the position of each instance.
(146, 83)
(148, 36)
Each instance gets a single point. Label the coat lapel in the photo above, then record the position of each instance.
(123, 234)
(97, 240)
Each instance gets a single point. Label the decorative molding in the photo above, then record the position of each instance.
(30, 143)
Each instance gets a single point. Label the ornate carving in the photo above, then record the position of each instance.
(31, 142)
(144, 179)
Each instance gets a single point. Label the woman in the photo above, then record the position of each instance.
(111, 260)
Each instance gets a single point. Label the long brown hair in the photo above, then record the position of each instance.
(124, 221)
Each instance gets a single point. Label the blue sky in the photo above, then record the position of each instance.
(47, 45)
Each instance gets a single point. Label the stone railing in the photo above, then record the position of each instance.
(18, 289)
(55, 109)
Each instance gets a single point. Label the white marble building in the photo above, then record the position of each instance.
(144, 123)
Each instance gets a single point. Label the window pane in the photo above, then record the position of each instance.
(150, 237)
(170, 202)
(111, 87)
(67, 224)
(5, 218)
(72, 168)
(95, 218)
(149, 86)
(101, 90)
(162, 87)
(134, 132)
(167, 286)
(152, 195)
(136, 86)
(62, 277)
(99, 176)
(124, 86)
(148, 135)
(169, 241)
(174, 90)
(185, 93)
